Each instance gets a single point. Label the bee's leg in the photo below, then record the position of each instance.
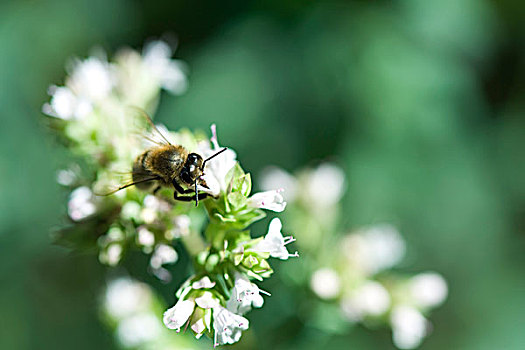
(178, 197)
(179, 188)
(156, 190)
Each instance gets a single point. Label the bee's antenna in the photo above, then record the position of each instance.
(213, 156)
(196, 194)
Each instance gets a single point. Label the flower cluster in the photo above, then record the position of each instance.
(356, 276)
(97, 113)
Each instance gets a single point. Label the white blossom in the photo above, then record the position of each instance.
(274, 242)
(66, 177)
(228, 326)
(203, 283)
(145, 238)
(181, 227)
(370, 299)
(130, 210)
(168, 72)
(428, 289)
(111, 255)
(66, 105)
(374, 249)
(324, 186)
(274, 177)
(270, 200)
(326, 283)
(148, 215)
(92, 78)
(245, 294)
(81, 203)
(207, 301)
(163, 254)
(216, 169)
(156, 204)
(178, 315)
(125, 297)
(138, 329)
(409, 327)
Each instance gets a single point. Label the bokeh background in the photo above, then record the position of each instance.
(421, 102)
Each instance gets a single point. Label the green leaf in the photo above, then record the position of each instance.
(237, 200)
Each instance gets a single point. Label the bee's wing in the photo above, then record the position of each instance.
(114, 181)
(144, 128)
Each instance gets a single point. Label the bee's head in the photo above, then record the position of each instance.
(193, 168)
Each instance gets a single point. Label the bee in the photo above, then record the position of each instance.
(168, 165)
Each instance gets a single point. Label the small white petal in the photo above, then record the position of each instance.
(228, 326)
(324, 186)
(138, 329)
(245, 294)
(81, 203)
(203, 283)
(217, 168)
(270, 200)
(326, 283)
(274, 242)
(163, 254)
(145, 237)
(177, 316)
(113, 254)
(91, 78)
(428, 289)
(375, 248)
(409, 327)
(125, 296)
(370, 299)
(207, 301)
(273, 177)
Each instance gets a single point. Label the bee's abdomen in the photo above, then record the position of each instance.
(140, 172)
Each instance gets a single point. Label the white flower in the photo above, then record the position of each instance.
(369, 299)
(66, 177)
(245, 294)
(374, 249)
(274, 242)
(145, 238)
(274, 177)
(270, 200)
(65, 104)
(81, 203)
(203, 283)
(125, 296)
(130, 210)
(326, 283)
(428, 289)
(181, 227)
(138, 329)
(148, 215)
(228, 326)
(178, 315)
(409, 327)
(217, 168)
(92, 78)
(169, 73)
(163, 254)
(207, 301)
(324, 186)
(156, 204)
(111, 255)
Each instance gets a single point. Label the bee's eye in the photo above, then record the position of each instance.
(193, 158)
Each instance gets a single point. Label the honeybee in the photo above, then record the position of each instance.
(168, 165)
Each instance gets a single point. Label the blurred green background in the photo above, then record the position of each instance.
(421, 102)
